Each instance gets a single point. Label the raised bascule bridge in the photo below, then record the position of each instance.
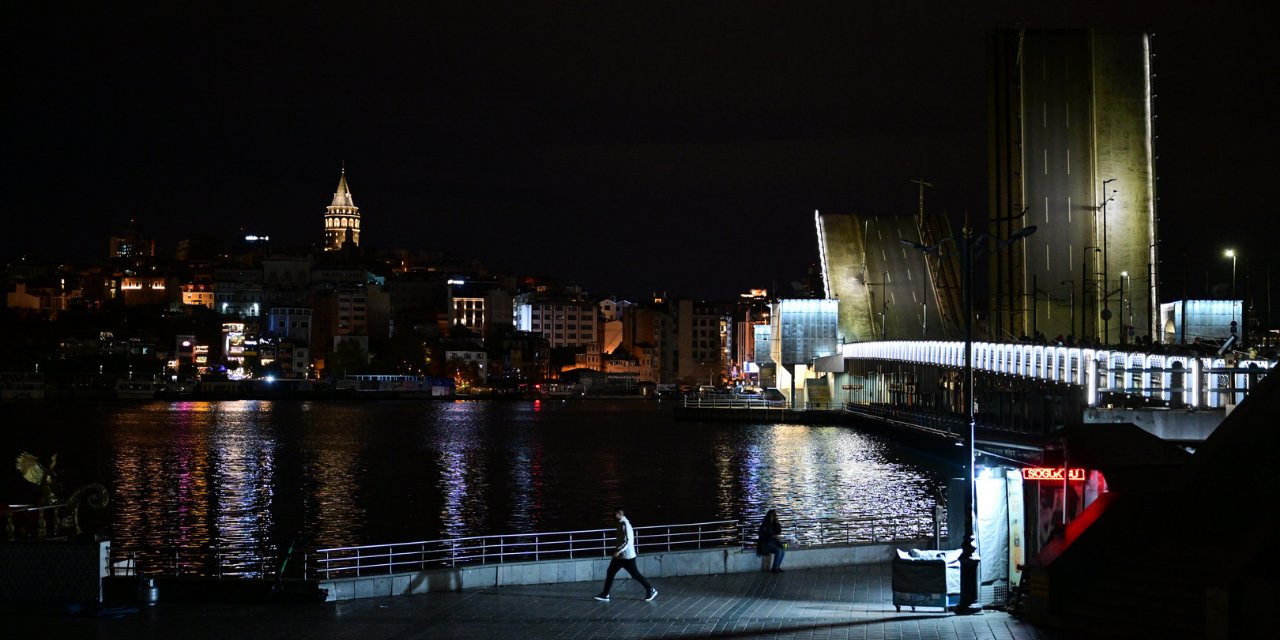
(901, 349)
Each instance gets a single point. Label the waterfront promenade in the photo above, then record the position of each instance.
(833, 602)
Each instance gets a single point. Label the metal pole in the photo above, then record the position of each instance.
(969, 552)
(1071, 295)
(884, 307)
(1084, 295)
(1106, 295)
(1235, 329)
(1122, 331)
(1151, 300)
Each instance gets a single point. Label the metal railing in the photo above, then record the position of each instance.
(753, 403)
(268, 562)
(32, 522)
(227, 561)
(531, 547)
(814, 532)
(724, 401)
(937, 421)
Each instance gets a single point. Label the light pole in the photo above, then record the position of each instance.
(884, 307)
(969, 553)
(1231, 253)
(1124, 275)
(1084, 296)
(1071, 294)
(1106, 295)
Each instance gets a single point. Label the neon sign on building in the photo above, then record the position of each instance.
(1044, 473)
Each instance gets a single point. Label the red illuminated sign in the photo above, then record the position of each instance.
(1044, 473)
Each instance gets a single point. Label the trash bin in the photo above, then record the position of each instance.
(926, 578)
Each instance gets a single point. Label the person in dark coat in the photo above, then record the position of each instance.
(769, 540)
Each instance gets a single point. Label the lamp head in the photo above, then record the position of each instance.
(1022, 233)
(1230, 253)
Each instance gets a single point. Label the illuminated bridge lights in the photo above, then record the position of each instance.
(1097, 371)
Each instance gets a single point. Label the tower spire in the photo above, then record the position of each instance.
(342, 217)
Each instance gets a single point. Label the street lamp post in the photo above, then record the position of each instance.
(1231, 253)
(1106, 295)
(1084, 295)
(1071, 295)
(884, 307)
(969, 552)
(1124, 275)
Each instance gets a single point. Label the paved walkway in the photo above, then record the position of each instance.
(841, 602)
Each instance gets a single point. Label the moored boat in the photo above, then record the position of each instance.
(21, 386)
(138, 389)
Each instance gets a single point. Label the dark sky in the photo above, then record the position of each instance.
(631, 147)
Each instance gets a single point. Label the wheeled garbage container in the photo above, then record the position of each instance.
(926, 578)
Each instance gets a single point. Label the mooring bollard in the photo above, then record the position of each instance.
(148, 592)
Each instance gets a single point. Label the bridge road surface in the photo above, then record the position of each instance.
(827, 603)
(900, 273)
(1058, 165)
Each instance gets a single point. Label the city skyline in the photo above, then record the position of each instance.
(629, 149)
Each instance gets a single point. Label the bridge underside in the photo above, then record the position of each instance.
(934, 395)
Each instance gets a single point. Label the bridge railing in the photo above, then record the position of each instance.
(1193, 381)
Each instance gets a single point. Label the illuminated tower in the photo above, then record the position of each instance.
(341, 218)
(1070, 151)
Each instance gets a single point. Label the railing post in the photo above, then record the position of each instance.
(359, 564)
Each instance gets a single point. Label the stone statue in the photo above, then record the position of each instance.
(46, 478)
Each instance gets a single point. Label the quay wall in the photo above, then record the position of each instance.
(652, 565)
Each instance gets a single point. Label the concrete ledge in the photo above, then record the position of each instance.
(1179, 425)
(652, 565)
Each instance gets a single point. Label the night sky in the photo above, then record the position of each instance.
(628, 147)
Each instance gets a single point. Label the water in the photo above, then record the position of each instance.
(254, 475)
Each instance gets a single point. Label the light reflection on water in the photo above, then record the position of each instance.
(249, 477)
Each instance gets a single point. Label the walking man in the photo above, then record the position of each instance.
(624, 557)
